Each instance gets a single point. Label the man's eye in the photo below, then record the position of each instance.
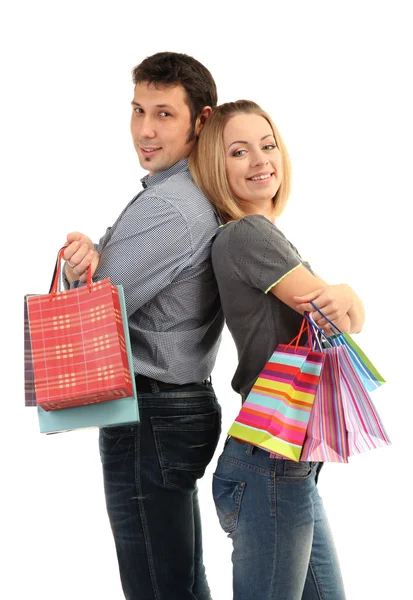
(164, 114)
(138, 110)
(239, 153)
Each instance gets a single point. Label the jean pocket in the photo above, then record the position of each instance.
(185, 445)
(227, 497)
(118, 432)
(296, 471)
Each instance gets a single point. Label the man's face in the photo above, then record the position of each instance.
(160, 125)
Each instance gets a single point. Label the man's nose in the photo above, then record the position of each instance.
(147, 128)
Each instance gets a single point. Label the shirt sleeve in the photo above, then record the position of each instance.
(102, 241)
(149, 246)
(261, 253)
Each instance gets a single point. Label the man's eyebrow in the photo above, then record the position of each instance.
(243, 142)
(134, 103)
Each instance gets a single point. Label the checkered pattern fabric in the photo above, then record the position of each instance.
(78, 347)
(159, 251)
(29, 391)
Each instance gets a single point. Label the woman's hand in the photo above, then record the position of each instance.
(335, 301)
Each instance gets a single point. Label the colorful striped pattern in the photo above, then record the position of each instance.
(343, 421)
(78, 347)
(326, 437)
(276, 412)
(365, 430)
(365, 368)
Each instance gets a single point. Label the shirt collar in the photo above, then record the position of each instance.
(179, 167)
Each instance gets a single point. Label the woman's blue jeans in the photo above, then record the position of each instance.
(271, 509)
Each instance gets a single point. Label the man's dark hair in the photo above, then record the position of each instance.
(171, 68)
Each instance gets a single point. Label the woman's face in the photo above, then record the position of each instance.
(252, 162)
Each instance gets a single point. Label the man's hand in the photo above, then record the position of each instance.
(79, 254)
(335, 301)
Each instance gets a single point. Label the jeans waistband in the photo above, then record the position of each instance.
(149, 385)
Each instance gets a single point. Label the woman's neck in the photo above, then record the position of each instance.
(266, 209)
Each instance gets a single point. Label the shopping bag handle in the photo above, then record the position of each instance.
(326, 318)
(55, 280)
(297, 338)
(311, 322)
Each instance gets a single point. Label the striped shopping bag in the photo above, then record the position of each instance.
(365, 430)
(368, 373)
(343, 420)
(326, 435)
(276, 412)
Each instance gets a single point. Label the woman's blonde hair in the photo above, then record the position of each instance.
(207, 161)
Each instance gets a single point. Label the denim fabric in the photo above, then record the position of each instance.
(150, 473)
(271, 509)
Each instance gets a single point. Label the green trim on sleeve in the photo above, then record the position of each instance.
(281, 278)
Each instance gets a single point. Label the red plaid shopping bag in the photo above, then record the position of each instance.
(78, 345)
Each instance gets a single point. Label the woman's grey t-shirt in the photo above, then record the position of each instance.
(249, 257)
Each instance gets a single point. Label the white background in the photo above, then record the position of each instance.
(336, 77)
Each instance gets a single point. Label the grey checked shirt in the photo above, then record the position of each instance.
(159, 250)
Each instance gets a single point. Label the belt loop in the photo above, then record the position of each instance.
(249, 449)
(154, 386)
(318, 469)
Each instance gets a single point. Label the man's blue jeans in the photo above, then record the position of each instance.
(271, 509)
(150, 473)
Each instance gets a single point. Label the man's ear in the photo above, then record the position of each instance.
(201, 120)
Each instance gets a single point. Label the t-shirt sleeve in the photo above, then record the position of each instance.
(261, 253)
(305, 263)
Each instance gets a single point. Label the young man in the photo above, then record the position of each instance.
(159, 250)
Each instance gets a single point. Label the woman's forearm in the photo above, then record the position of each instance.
(356, 314)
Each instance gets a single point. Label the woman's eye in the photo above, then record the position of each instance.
(269, 147)
(239, 153)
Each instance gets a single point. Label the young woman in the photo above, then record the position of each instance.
(269, 507)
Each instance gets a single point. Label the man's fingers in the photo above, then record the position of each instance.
(76, 236)
(78, 257)
(70, 250)
(86, 259)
